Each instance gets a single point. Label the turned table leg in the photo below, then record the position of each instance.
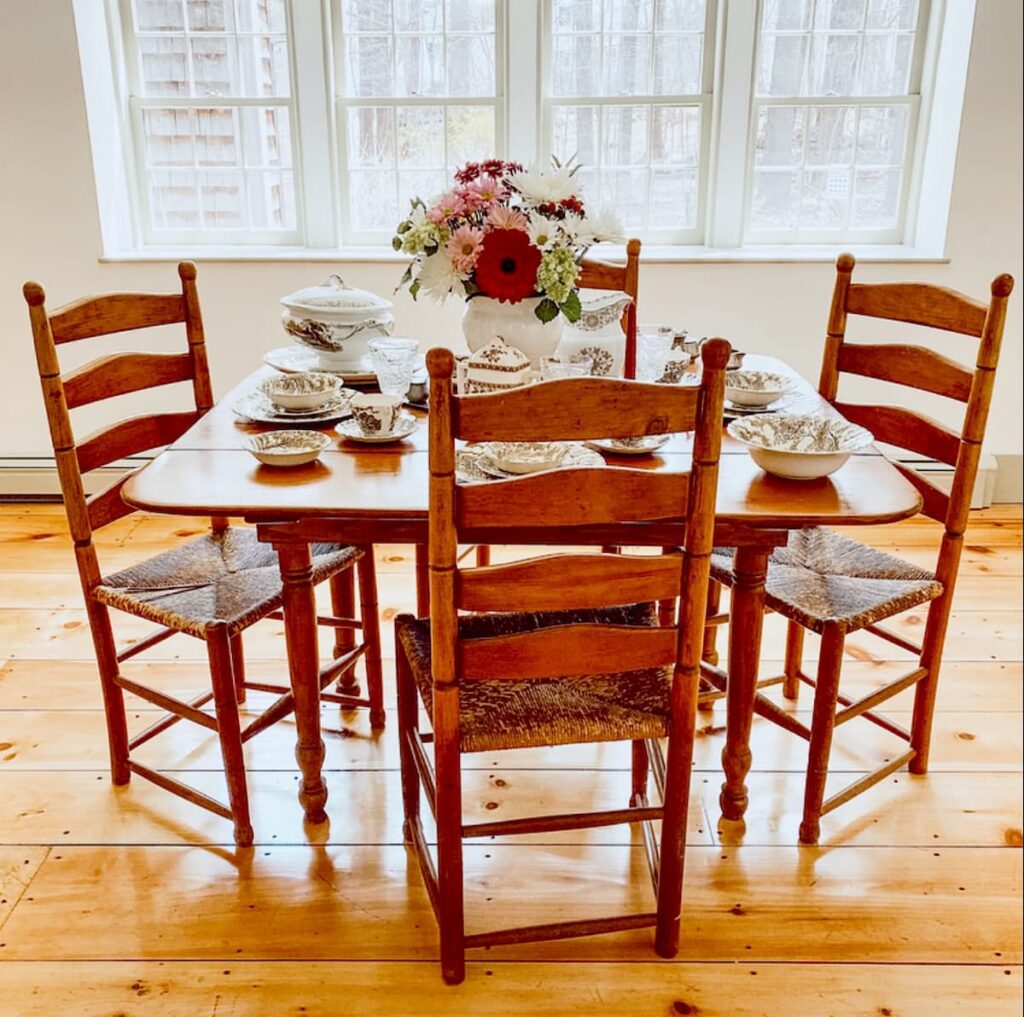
(304, 672)
(745, 624)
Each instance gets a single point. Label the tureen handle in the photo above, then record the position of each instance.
(335, 282)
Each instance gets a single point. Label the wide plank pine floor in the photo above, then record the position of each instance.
(127, 901)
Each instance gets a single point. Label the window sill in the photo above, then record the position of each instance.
(662, 254)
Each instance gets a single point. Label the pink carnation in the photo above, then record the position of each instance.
(464, 248)
(446, 207)
(487, 190)
(501, 217)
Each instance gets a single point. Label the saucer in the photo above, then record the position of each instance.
(405, 426)
(291, 359)
(256, 407)
(643, 445)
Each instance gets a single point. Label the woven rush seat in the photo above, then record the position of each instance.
(504, 713)
(820, 577)
(224, 577)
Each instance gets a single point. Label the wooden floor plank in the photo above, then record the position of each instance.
(368, 903)
(324, 989)
(75, 740)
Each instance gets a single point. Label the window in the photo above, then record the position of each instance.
(836, 100)
(417, 97)
(213, 117)
(722, 123)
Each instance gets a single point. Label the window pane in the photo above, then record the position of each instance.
(677, 64)
(168, 137)
(164, 65)
(371, 136)
(366, 16)
(471, 65)
(159, 16)
(369, 66)
(470, 15)
(419, 65)
(174, 199)
(210, 15)
(470, 134)
(421, 137)
(223, 200)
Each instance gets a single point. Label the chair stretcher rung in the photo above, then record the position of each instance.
(562, 930)
(423, 767)
(564, 821)
(414, 833)
(892, 637)
(144, 644)
(869, 780)
(165, 722)
(181, 790)
(169, 703)
(867, 703)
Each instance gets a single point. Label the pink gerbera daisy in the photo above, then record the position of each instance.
(448, 206)
(464, 248)
(501, 217)
(487, 190)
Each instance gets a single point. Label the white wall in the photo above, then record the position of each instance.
(51, 233)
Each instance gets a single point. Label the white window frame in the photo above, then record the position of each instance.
(124, 42)
(728, 126)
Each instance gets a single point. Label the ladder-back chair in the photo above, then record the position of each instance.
(833, 585)
(606, 275)
(213, 587)
(564, 648)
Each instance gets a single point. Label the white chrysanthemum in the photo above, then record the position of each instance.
(574, 229)
(438, 277)
(604, 226)
(544, 233)
(541, 186)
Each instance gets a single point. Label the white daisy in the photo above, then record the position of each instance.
(438, 277)
(543, 232)
(605, 226)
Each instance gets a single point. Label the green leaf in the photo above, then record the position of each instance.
(406, 275)
(572, 308)
(414, 288)
(547, 310)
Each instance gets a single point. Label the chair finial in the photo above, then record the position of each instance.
(845, 262)
(714, 353)
(440, 362)
(36, 295)
(1002, 285)
(187, 270)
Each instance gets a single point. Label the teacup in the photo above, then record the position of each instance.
(376, 412)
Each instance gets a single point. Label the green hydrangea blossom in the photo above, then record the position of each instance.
(421, 236)
(557, 274)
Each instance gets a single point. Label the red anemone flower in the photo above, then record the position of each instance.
(507, 266)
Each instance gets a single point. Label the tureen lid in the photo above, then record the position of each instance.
(497, 354)
(333, 295)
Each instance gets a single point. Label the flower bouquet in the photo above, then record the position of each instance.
(504, 233)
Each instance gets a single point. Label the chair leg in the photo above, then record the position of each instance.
(641, 769)
(794, 660)
(238, 667)
(483, 555)
(218, 645)
(677, 807)
(927, 687)
(408, 723)
(371, 637)
(823, 723)
(343, 604)
(709, 651)
(113, 695)
(448, 777)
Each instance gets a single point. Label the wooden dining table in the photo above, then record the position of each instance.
(375, 494)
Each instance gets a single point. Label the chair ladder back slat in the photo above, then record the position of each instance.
(918, 304)
(567, 581)
(567, 650)
(107, 506)
(121, 373)
(906, 364)
(115, 312)
(562, 497)
(129, 437)
(905, 429)
(602, 275)
(576, 409)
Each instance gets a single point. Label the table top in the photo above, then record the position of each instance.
(207, 472)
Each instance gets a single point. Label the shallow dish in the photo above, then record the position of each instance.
(303, 390)
(526, 456)
(798, 446)
(405, 425)
(641, 445)
(256, 407)
(289, 359)
(573, 455)
(286, 448)
(754, 388)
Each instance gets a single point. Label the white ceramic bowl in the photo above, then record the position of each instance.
(799, 446)
(287, 448)
(526, 456)
(753, 388)
(304, 390)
